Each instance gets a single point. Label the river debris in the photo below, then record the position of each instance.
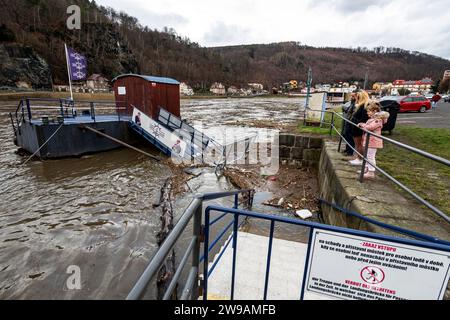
(292, 188)
(304, 214)
(175, 185)
(167, 270)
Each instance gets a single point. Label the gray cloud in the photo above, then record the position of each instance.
(348, 6)
(146, 16)
(421, 25)
(221, 34)
(163, 20)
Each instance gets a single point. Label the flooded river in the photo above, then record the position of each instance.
(96, 212)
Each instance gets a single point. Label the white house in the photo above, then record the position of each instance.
(97, 83)
(218, 88)
(186, 90)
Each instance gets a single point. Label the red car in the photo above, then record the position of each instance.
(414, 103)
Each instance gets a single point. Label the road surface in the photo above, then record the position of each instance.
(437, 118)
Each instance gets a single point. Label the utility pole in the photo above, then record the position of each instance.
(366, 78)
(308, 91)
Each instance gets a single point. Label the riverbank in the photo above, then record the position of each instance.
(292, 188)
(14, 96)
(427, 178)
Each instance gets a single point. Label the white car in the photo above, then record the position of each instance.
(429, 95)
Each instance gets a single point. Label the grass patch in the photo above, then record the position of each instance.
(429, 179)
(324, 129)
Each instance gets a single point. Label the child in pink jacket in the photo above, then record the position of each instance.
(377, 119)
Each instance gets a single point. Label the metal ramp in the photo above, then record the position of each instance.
(169, 132)
(285, 278)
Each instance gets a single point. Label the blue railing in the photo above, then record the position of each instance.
(201, 233)
(431, 243)
(193, 212)
(365, 160)
(31, 108)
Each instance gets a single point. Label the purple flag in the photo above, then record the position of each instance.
(78, 65)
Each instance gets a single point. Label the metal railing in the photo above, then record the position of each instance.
(383, 172)
(32, 108)
(431, 243)
(193, 212)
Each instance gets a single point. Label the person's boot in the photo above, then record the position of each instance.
(369, 175)
(356, 162)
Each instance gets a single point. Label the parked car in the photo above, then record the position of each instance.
(446, 98)
(414, 103)
(429, 95)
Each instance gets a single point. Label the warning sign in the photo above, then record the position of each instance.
(352, 267)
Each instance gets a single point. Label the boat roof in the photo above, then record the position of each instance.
(149, 78)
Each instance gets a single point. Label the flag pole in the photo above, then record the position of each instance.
(68, 71)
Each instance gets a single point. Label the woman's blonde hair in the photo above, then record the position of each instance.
(362, 99)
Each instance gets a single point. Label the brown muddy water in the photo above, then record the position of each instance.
(96, 211)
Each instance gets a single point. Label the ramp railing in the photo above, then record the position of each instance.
(201, 149)
(429, 243)
(30, 109)
(192, 214)
(365, 160)
(194, 288)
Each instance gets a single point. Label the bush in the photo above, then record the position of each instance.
(6, 34)
(403, 92)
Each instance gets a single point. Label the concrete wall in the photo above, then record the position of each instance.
(377, 199)
(300, 150)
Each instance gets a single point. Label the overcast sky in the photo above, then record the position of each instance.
(422, 25)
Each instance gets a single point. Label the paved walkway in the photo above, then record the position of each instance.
(437, 118)
(286, 270)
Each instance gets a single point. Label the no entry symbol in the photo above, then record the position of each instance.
(372, 275)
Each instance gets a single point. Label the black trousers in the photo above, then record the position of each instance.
(347, 133)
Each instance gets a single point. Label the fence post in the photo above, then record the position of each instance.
(235, 236)
(332, 123)
(29, 109)
(61, 107)
(206, 256)
(92, 111)
(340, 136)
(363, 167)
(197, 232)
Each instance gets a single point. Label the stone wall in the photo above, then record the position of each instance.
(377, 199)
(300, 149)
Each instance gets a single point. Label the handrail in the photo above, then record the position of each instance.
(384, 173)
(441, 245)
(398, 144)
(194, 210)
(407, 232)
(160, 256)
(63, 105)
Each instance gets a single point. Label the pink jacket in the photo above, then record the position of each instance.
(375, 126)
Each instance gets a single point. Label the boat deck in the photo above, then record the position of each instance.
(86, 119)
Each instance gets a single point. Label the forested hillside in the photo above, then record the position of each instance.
(116, 43)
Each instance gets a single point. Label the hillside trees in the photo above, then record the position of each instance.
(115, 42)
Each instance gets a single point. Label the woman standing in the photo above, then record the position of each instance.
(360, 115)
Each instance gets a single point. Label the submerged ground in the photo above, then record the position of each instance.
(97, 211)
